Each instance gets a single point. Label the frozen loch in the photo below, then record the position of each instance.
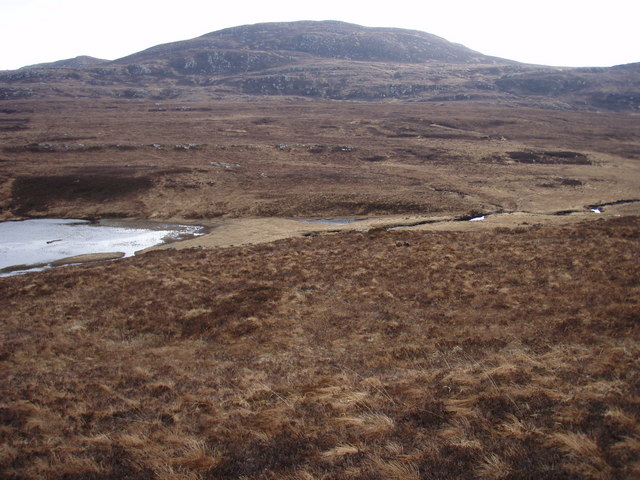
(34, 244)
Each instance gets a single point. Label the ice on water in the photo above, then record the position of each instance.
(40, 241)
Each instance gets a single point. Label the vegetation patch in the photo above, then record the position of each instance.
(375, 158)
(550, 157)
(35, 193)
(13, 124)
(562, 182)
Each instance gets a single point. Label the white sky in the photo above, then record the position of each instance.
(548, 32)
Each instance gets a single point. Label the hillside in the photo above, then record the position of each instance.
(510, 354)
(327, 60)
(76, 62)
(295, 41)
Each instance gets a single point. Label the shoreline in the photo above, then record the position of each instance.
(250, 231)
(232, 232)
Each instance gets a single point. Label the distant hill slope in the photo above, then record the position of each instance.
(76, 62)
(328, 60)
(255, 47)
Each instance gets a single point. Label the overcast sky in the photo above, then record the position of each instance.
(548, 32)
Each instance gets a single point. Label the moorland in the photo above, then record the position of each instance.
(410, 344)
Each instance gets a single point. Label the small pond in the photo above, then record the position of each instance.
(30, 245)
(331, 221)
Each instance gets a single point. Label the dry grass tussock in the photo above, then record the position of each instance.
(385, 355)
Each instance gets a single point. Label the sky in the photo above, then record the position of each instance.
(546, 32)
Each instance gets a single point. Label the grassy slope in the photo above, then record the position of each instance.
(502, 354)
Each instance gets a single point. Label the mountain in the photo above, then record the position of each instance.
(255, 47)
(327, 60)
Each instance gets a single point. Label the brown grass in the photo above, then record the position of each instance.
(493, 355)
(203, 159)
